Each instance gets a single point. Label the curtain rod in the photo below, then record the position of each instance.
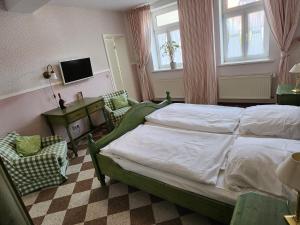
(144, 4)
(141, 5)
(171, 2)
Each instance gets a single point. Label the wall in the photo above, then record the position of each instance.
(29, 42)
(173, 81)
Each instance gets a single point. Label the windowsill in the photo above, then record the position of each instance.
(167, 70)
(246, 62)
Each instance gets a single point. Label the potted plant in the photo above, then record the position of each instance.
(169, 49)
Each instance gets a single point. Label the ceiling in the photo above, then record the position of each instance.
(117, 5)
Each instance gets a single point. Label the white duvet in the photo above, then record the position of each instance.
(252, 163)
(206, 118)
(192, 155)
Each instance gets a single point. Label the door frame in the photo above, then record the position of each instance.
(111, 36)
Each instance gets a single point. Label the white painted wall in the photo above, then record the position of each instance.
(29, 42)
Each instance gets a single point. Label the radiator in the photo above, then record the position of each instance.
(245, 87)
(173, 85)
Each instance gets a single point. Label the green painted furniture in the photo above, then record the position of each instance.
(75, 111)
(214, 209)
(116, 115)
(257, 209)
(46, 168)
(285, 96)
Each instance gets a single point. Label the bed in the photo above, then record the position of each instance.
(209, 198)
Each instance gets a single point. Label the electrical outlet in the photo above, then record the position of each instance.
(75, 127)
(76, 131)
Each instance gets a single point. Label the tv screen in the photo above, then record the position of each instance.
(75, 70)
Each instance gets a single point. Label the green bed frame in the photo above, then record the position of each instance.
(105, 166)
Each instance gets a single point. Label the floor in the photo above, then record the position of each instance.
(82, 201)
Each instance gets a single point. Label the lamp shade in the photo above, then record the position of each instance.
(53, 75)
(295, 68)
(288, 171)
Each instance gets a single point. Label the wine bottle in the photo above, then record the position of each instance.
(61, 102)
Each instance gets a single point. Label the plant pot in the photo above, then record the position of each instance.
(173, 65)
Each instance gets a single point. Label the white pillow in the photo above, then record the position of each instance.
(252, 163)
(271, 120)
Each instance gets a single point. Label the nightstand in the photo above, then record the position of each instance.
(257, 209)
(285, 96)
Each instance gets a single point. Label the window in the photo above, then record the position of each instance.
(165, 29)
(244, 30)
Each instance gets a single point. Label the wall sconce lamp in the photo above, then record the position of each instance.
(50, 74)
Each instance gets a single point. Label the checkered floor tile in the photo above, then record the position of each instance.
(82, 201)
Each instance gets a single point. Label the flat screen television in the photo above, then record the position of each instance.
(76, 70)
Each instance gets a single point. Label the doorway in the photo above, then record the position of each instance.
(120, 67)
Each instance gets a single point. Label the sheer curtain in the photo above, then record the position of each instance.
(140, 25)
(283, 17)
(196, 29)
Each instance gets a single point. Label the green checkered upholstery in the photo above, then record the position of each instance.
(47, 168)
(7, 147)
(46, 141)
(107, 98)
(115, 116)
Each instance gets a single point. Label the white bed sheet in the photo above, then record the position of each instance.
(217, 192)
(205, 118)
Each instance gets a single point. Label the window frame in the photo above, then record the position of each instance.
(243, 11)
(163, 29)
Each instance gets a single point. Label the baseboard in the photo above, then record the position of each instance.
(246, 102)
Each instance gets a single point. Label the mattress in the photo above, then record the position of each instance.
(217, 192)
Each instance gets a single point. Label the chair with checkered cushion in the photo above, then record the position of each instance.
(113, 115)
(46, 168)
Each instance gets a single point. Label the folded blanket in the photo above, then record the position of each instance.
(206, 118)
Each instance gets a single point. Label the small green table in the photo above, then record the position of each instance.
(257, 209)
(74, 112)
(285, 96)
